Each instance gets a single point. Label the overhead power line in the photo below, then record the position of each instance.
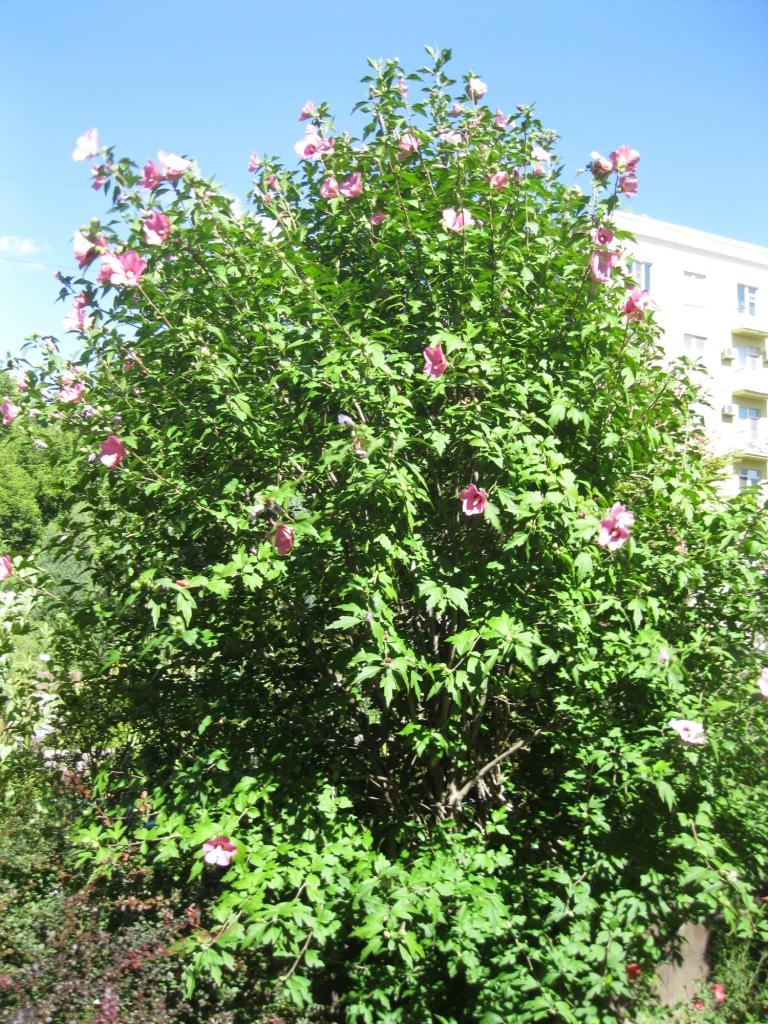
(43, 181)
(37, 263)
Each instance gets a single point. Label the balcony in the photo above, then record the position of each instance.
(750, 444)
(750, 381)
(749, 325)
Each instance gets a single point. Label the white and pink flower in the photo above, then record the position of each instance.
(473, 501)
(87, 146)
(539, 156)
(476, 89)
(451, 137)
(456, 220)
(615, 527)
(352, 186)
(6, 568)
(688, 731)
(600, 165)
(499, 180)
(625, 160)
(173, 166)
(112, 452)
(602, 263)
(126, 270)
(87, 250)
(219, 851)
(408, 145)
(637, 304)
(312, 146)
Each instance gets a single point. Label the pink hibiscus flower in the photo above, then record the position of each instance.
(127, 269)
(352, 186)
(70, 390)
(151, 176)
(600, 165)
(329, 189)
(476, 89)
(9, 411)
(6, 569)
(456, 220)
(173, 166)
(112, 452)
(156, 228)
(219, 851)
(625, 160)
(602, 263)
(435, 363)
(615, 527)
(408, 145)
(312, 146)
(85, 250)
(473, 501)
(499, 180)
(87, 146)
(637, 303)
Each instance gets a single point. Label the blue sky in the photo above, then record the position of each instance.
(685, 82)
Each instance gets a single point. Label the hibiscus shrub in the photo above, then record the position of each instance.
(418, 620)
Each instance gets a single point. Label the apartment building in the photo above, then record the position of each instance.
(711, 295)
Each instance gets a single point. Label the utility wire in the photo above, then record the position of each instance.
(43, 181)
(37, 263)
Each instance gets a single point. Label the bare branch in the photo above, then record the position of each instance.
(456, 796)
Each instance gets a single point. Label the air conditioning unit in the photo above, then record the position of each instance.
(728, 355)
(729, 410)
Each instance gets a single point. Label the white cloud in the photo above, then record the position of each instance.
(21, 246)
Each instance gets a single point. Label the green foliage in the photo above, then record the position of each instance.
(440, 742)
(32, 468)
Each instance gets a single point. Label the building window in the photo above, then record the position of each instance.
(748, 478)
(641, 273)
(749, 417)
(693, 345)
(693, 288)
(749, 357)
(747, 299)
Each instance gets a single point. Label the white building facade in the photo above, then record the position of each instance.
(711, 296)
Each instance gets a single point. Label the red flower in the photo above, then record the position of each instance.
(633, 971)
